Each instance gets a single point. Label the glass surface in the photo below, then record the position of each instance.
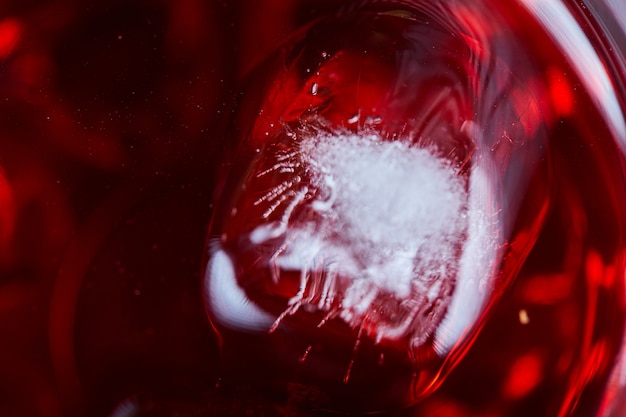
(312, 208)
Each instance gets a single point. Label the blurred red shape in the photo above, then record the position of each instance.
(10, 32)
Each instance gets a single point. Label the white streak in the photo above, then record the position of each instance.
(478, 262)
(566, 32)
(227, 301)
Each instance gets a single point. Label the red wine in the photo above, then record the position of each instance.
(432, 218)
(423, 208)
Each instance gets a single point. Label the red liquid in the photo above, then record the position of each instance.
(111, 130)
(281, 283)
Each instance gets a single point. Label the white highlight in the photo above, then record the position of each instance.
(477, 264)
(228, 302)
(618, 10)
(130, 407)
(566, 32)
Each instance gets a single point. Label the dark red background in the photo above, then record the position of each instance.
(111, 115)
(109, 121)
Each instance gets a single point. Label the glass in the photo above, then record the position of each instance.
(423, 206)
(414, 208)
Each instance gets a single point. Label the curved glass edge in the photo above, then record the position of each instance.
(610, 15)
(563, 27)
(601, 65)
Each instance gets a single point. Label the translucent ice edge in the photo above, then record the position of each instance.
(478, 261)
(229, 303)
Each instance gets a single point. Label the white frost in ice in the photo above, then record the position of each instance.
(397, 207)
(382, 241)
